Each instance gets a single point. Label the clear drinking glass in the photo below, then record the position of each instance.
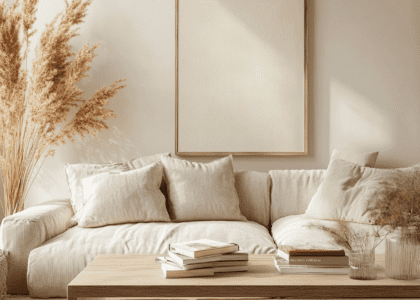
(362, 265)
(402, 256)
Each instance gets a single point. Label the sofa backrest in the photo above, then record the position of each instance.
(253, 189)
(292, 190)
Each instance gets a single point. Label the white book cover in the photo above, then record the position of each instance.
(170, 261)
(214, 264)
(203, 247)
(170, 271)
(186, 260)
(312, 271)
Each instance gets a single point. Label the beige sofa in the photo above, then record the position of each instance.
(46, 249)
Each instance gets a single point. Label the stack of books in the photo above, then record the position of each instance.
(301, 260)
(202, 258)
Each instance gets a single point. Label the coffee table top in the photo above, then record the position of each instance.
(135, 275)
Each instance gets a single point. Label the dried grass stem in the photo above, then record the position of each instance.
(35, 108)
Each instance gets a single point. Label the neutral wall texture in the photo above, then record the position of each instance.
(364, 77)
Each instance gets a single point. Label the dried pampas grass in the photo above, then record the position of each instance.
(35, 108)
(354, 240)
(398, 204)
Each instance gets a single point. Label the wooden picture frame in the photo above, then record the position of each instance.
(241, 77)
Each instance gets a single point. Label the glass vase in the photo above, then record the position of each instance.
(362, 265)
(402, 255)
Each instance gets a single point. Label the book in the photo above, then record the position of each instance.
(237, 255)
(186, 260)
(170, 261)
(283, 262)
(313, 271)
(286, 251)
(170, 271)
(319, 260)
(203, 247)
(226, 269)
(215, 264)
(284, 267)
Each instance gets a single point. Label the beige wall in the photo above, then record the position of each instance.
(364, 84)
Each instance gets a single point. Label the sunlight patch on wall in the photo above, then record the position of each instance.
(355, 122)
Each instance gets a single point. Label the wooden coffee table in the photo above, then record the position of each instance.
(139, 276)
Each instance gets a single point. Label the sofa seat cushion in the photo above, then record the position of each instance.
(54, 264)
(292, 230)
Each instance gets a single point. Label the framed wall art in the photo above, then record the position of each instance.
(241, 77)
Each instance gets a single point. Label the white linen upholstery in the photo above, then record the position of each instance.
(1, 238)
(56, 262)
(27, 230)
(49, 273)
(292, 190)
(291, 230)
(253, 189)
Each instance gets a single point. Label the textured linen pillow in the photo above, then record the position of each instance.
(364, 159)
(125, 197)
(347, 190)
(76, 172)
(201, 191)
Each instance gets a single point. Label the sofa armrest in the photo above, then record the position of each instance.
(28, 229)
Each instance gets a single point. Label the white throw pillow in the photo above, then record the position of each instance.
(202, 191)
(364, 159)
(76, 172)
(125, 197)
(347, 191)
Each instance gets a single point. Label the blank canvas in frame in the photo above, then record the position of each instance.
(241, 83)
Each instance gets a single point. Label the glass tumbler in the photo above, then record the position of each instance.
(362, 265)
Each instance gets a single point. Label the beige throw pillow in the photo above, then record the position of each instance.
(364, 159)
(76, 172)
(201, 191)
(253, 190)
(125, 197)
(347, 190)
